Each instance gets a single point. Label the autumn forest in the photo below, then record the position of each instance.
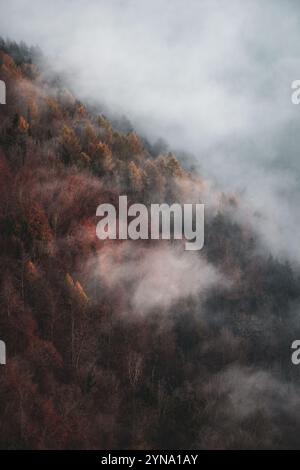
(116, 344)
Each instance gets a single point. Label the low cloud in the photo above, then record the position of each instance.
(154, 277)
(225, 97)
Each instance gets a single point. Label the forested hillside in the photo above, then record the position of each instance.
(129, 344)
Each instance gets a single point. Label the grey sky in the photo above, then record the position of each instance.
(211, 77)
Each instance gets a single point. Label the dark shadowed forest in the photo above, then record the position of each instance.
(129, 344)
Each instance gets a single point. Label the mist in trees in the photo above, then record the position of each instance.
(115, 344)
